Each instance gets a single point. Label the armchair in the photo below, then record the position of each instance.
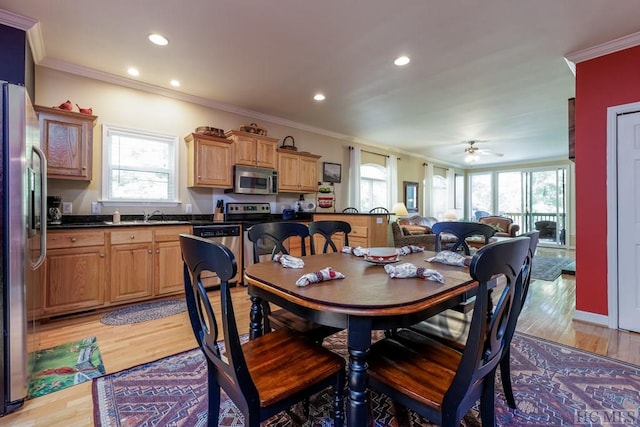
(400, 239)
(504, 226)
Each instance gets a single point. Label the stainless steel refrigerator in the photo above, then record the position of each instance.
(23, 184)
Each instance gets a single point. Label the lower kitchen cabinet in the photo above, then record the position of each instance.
(168, 267)
(367, 230)
(131, 264)
(75, 272)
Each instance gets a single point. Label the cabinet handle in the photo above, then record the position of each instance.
(73, 240)
(157, 251)
(84, 168)
(101, 255)
(150, 251)
(133, 236)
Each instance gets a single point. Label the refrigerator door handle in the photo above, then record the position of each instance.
(43, 207)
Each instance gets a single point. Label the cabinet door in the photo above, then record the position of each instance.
(168, 268)
(266, 154)
(308, 174)
(75, 279)
(131, 271)
(245, 150)
(288, 172)
(67, 140)
(213, 164)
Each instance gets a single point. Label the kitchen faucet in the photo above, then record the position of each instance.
(146, 217)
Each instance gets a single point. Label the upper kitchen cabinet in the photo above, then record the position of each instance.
(253, 150)
(210, 161)
(67, 140)
(297, 171)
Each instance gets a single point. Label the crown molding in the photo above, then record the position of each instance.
(625, 42)
(16, 20)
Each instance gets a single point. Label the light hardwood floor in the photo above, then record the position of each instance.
(547, 314)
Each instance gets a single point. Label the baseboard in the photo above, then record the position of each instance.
(585, 316)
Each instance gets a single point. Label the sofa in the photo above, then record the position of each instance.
(405, 237)
(504, 226)
(416, 224)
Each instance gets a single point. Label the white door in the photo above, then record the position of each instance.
(629, 221)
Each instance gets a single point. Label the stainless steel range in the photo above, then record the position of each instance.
(249, 214)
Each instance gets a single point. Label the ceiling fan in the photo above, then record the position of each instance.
(472, 152)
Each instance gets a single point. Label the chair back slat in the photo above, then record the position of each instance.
(277, 233)
(327, 229)
(461, 230)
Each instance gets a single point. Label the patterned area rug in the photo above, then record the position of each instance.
(548, 268)
(554, 385)
(62, 366)
(143, 312)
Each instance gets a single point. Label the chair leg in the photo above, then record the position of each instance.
(214, 397)
(487, 400)
(505, 375)
(338, 401)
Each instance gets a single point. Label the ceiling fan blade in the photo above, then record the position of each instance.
(491, 152)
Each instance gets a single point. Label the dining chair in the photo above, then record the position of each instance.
(277, 234)
(461, 230)
(350, 210)
(451, 327)
(327, 229)
(379, 210)
(442, 383)
(263, 376)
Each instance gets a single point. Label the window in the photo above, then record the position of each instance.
(373, 186)
(439, 196)
(138, 166)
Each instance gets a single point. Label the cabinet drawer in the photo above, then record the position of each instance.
(132, 235)
(359, 231)
(170, 233)
(74, 239)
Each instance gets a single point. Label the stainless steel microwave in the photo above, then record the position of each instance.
(253, 180)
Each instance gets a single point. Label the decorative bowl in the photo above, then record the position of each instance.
(382, 255)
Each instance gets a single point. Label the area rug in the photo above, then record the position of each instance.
(144, 311)
(554, 385)
(548, 268)
(59, 367)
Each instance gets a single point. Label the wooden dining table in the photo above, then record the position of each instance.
(367, 299)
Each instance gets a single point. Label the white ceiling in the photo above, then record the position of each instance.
(489, 70)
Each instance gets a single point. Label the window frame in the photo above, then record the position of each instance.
(172, 140)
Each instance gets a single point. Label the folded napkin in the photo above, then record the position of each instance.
(407, 270)
(450, 258)
(288, 261)
(409, 249)
(359, 251)
(319, 276)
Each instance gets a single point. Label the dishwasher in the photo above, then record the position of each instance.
(228, 235)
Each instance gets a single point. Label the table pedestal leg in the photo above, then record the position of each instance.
(255, 318)
(359, 342)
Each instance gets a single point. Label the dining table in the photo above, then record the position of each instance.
(365, 300)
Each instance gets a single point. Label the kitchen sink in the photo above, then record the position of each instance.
(150, 222)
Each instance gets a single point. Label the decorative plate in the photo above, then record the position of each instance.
(379, 261)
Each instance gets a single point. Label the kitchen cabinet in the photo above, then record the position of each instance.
(168, 266)
(75, 271)
(294, 245)
(131, 264)
(367, 230)
(67, 141)
(210, 161)
(253, 150)
(297, 172)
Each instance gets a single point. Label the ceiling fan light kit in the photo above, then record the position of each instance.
(472, 152)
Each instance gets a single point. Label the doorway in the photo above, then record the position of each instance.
(628, 220)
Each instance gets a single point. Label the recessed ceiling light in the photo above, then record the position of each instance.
(174, 83)
(319, 97)
(133, 72)
(402, 60)
(158, 39)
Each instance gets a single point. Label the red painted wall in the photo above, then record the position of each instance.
(603, 82)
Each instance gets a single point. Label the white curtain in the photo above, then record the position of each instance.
(354, 177)
(427, 195)
(392, 181)
(451, 185)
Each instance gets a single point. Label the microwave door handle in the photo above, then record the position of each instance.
(43, 207)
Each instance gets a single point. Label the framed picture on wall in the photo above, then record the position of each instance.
(331, 172)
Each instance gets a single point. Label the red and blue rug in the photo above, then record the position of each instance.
(554, 385)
